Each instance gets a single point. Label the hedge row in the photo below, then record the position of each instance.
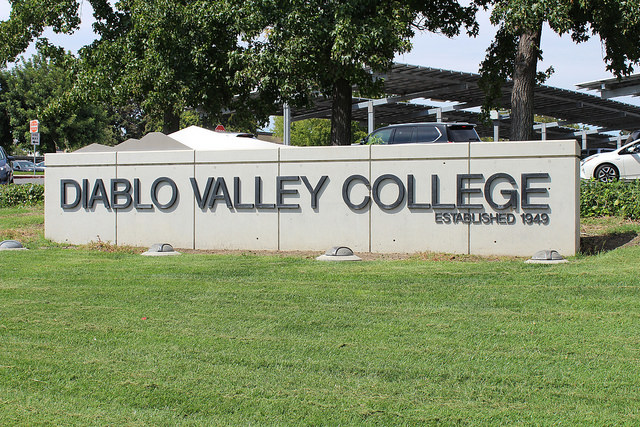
(618, 198)
(596, 198)
(21, 195)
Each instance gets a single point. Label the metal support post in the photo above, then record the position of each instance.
(543, 131)
(496, 130)
(371, 124)
(438, 114)
(619, 141)
(286, 113)
(584, 139)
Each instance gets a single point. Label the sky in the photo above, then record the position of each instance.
(573, 63)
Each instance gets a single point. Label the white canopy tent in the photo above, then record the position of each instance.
(200, 139)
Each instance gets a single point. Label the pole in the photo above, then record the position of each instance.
(286, 111)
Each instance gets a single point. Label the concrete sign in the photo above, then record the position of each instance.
(479, 198)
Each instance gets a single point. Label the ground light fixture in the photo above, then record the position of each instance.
(11, 245)
(339, 253)
(547, 256)
(160, 249)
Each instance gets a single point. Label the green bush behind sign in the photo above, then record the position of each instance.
(619, 198)
(21, 195)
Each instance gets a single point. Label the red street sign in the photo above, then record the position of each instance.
(33, 126)
(219, 128)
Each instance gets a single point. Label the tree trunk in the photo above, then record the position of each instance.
(524, 81)
(170, 122)
(341, 113)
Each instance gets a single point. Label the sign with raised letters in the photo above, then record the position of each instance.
(481, 198)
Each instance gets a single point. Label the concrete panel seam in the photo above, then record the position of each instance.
(370, 210)
(325, 161)
(468, 210)
(417, 158)
(156, 164)
(83, 165)
(194, 204)
(256, 162)
(551, 156)
(278, 213)
(115, 211)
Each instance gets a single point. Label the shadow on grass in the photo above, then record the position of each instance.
(590, 245)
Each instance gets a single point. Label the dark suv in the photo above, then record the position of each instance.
(6, 173)
(423, 133)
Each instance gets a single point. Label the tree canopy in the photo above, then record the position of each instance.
(300, 49)
(166, 56)
(170, 62)
(157, 58)
(38, 88)
(515, 50)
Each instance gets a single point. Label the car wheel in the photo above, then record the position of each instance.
(606, 173)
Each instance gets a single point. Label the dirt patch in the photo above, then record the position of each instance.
(593, 239)
(366, 256)
(23, 234)
(590, 245)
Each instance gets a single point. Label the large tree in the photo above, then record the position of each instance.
(515, 51)
(168, 56)
(158, 58)
(38, 88)
(298, 49)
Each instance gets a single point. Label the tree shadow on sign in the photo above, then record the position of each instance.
(591, 245)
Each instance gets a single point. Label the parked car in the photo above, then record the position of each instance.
(433, 132)
(6, 173)
(40, 166)
(23, 165)
(623, 163)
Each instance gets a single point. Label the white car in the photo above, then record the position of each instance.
(623, 163)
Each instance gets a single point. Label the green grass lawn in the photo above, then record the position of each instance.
(18, 173)
(107, 338)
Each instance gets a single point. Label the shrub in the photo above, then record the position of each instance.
(21, 195)
(616, 198)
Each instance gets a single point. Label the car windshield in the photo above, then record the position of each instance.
(463, 133)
